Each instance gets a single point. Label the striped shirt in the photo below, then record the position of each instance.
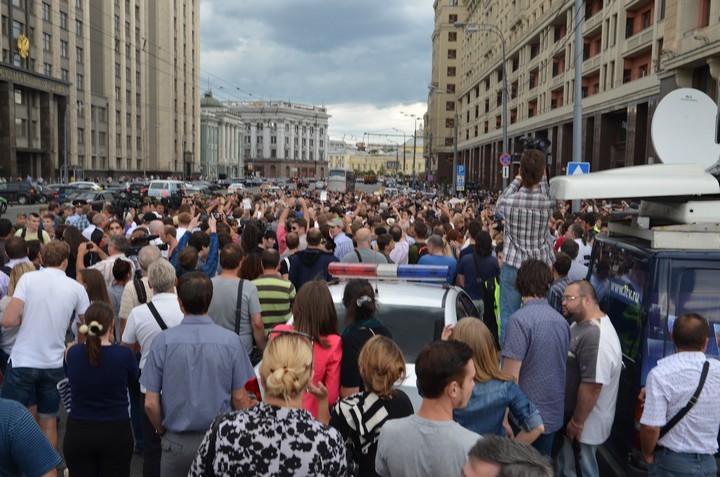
(276, 296)
(527, 212)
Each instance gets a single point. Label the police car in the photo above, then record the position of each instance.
(415, 304)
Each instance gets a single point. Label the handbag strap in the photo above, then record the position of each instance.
(210, 454)
(677, 417)
(158, 318)
(238, 306)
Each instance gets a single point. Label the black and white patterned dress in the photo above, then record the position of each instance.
(273, 441)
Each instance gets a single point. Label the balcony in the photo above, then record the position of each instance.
(635, 4)
(591, 64)
(638, 42)
(593, 23)
(557, 81)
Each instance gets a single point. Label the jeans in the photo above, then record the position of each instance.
(670, 464)
(544, 444)
(566, 460)
(21, 383)
(510, 299)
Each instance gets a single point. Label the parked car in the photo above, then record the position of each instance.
(165, 188)
(96, 198)
(88, 185)
(21, 192)
(236, 187)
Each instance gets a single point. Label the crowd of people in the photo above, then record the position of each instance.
(165, 311)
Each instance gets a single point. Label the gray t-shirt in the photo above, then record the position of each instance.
(367, 255)
(414, 446)
(224, 303)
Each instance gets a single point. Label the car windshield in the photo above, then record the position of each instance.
(411, 327)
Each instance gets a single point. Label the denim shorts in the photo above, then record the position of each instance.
(22, 383)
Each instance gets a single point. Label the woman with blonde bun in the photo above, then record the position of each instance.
(360, 417)
(98, 439)
(277, 437)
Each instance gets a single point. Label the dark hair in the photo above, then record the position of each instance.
(421, 230)
(532, 167)
(533, 278)
(578, 231)
(314, 312)
(198, 240)
(121, 270)
(16, 247)
(5, 227)
(570, 247)
(95, 285)
(251, 267)
(440, 363)
(383, 241)
(586, 289)
(187, 258)
(195, 292)
(314, 237)
(562, 263)
(33, 249)
(356, 290)
(98, 321)
(379, 230)
(515, 458)
(483, 244)
(250, 238)
(396, 233)
(301, 223)
(292, 240)
(270, 234)
(690, 332)
(230, 256)
(270, 259)
(474, 228)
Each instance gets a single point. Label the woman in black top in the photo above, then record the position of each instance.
(360, 417)
(360, 325)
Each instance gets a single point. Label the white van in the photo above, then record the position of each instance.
(161, 188)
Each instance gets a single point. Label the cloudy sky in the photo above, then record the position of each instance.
(366, 61)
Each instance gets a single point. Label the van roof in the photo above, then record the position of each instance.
(655, 180)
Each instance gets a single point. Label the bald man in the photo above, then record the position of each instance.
(363, 253)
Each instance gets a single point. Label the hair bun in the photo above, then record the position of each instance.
(362, 300)
(83, 329)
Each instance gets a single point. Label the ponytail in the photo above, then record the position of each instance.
(98, 319)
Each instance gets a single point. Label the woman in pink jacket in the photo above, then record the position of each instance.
(315, 315)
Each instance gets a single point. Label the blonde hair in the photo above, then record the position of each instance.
(381, 365)
(477, 336)
(18, 271)
(286, 367)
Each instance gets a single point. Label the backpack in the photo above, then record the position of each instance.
(487, 291)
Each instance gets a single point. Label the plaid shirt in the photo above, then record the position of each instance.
(80, 222)
(527, 213)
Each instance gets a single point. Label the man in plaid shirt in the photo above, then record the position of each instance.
(527, 206)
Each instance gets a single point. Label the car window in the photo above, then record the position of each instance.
(619, 278)
(465, 307)
(3, 186)
(411, 327)
(696, 292)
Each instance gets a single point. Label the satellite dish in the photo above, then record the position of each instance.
(683, 128)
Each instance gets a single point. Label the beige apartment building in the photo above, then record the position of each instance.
(633, 53)
(96, 89)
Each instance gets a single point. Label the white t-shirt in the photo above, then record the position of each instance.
(583, 256)
(51, 300)
(142, 327)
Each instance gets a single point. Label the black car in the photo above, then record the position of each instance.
(96, 198)
(20, 192)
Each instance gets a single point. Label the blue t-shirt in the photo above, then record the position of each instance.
(100, 393)
(539, 337)
(440, 260)
(24, 449)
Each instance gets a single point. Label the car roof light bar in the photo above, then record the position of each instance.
(440, 273)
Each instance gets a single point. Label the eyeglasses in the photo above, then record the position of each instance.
(571, 298)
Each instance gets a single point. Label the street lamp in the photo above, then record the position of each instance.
(474, 28)
(415, 119)
(404, 143)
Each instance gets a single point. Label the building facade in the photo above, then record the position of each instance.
(633, 53)
(78, 95)
(221, 141)
(283, 139)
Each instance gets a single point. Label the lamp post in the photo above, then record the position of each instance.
(404, 143)
(476, 27)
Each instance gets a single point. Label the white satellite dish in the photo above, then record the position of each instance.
(683, 128)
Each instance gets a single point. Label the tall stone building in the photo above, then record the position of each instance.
(96, 89)
(633, 52)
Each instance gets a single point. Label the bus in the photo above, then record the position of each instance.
(341, 180)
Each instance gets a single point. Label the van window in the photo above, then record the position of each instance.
(696, 292)
(619, 278)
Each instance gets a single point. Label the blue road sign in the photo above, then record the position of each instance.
(461, 170)
(505, 159)
(578, 168)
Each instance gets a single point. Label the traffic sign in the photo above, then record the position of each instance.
(460, 181)
(505, 159)
(578, 168)
(505, 172)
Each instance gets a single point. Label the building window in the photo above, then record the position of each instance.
(79, 54)
(79, 81)
(117, 70)
(47, 69)
(116, 22)
(78, 27)
(47, 41)
(704, 13)
(452, 54)
(452, 36)
(452, 18)
(451, 71)
(17, 29)
(450, 106)
(63, 20)
(64, 74)
(46, 12)
(63, 49)
(81, 136)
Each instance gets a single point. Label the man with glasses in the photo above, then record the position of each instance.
(343, 243)
(594, 362)
(536, 347)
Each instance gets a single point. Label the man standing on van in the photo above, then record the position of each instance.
(688, 447)
(594, 362)
(527, 207)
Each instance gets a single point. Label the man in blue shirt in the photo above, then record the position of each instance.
(435, 256)
(24, 449)
(201, 370)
